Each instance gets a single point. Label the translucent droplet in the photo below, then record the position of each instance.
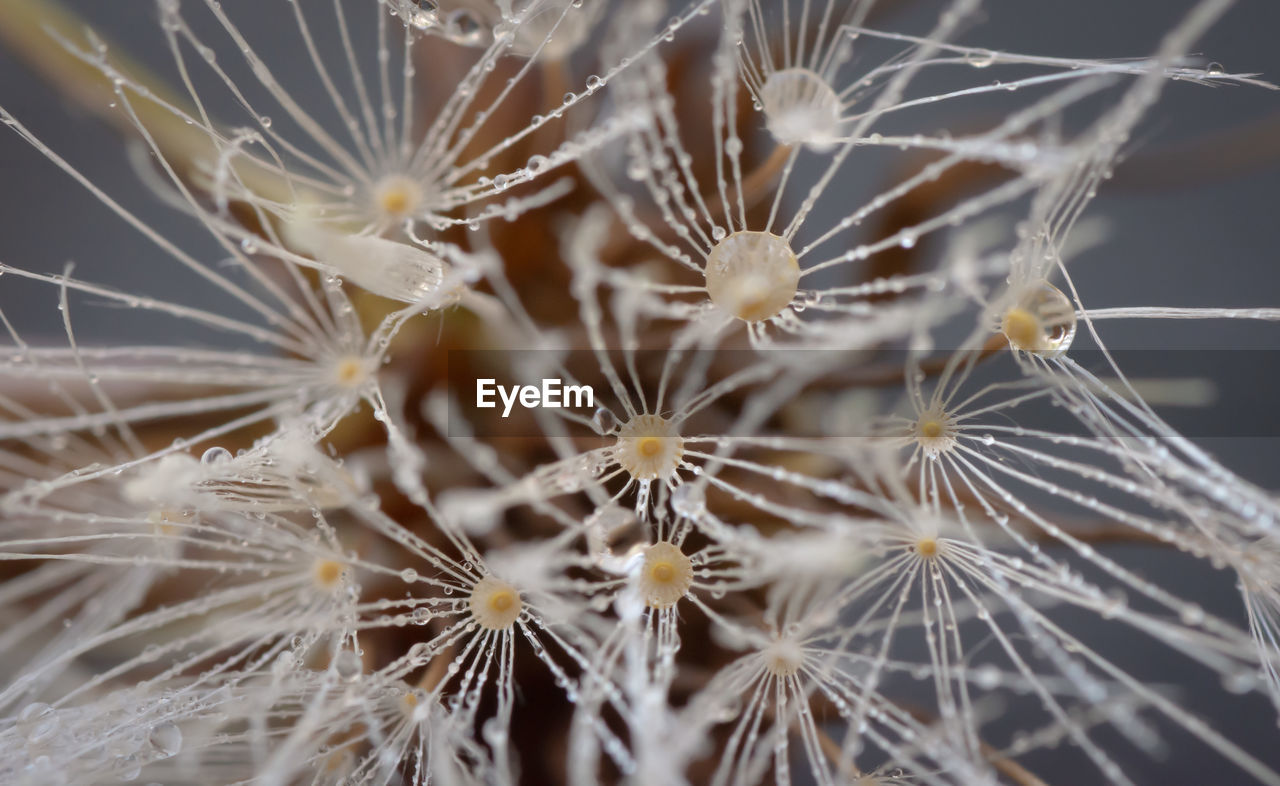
(426, 14)
(409, 575)
(166, 738)
(347, 665)
(987, 677)
(215, 455)
(1216, 69)
(980, 58)
(604, 421)
(688, 500)
(1043, 321)
(464, 28)
(800, 108)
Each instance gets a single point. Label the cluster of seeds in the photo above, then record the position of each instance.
(843, 495)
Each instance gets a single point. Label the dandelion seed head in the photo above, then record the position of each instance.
(414, 705)
(752, 275)
(495, 604)
(934, 431)
(666, 575)
(648, 447)
(783, 658)
(352, 372)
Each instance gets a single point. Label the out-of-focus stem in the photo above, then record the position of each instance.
(39, 33)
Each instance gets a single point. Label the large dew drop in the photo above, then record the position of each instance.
(1043, 322)
(800, 108)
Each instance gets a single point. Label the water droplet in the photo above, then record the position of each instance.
(1043, 321)
(347, 665)
(688, 500)
(426, 14)
(464, 28)
(604, 421)
(214, 456)
(980, 58)
(166, 738)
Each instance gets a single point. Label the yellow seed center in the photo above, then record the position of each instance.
(663, 572)
(397, 196)
(649, 447)
(501, 601)
(327, 572)
(395, 201)
(349, 372)
(927, 547)
(931, 429)
(495, 604)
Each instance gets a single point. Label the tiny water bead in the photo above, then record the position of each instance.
(648, 447)
(752, 275)
(1043, 322)
(665, 576)
(800, 108)
(495, 604)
